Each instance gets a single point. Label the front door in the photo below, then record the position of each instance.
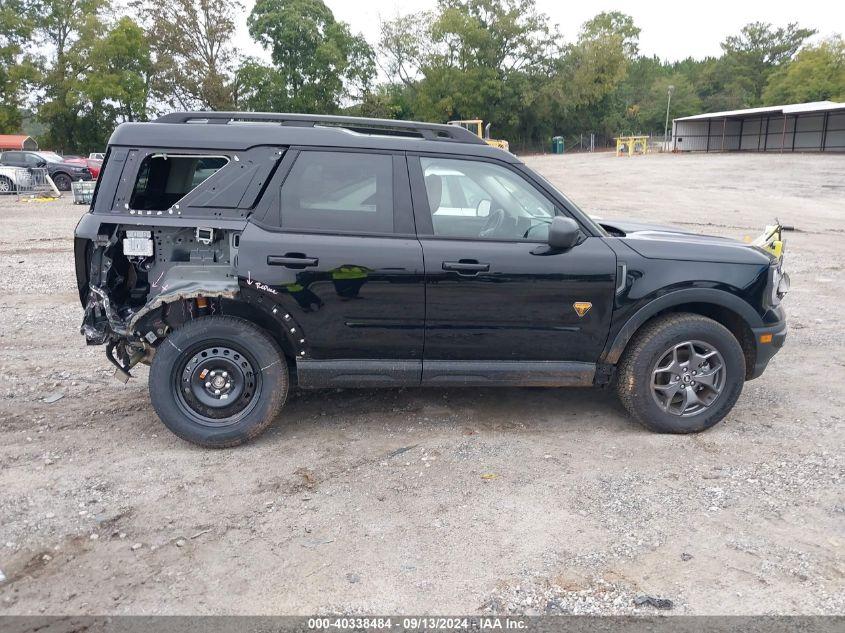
(494, 290)
(340, 259)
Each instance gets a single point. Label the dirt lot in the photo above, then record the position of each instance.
(433, 501)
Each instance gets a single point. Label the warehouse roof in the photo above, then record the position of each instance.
(794, 108)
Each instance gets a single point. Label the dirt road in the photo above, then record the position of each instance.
(437, 501)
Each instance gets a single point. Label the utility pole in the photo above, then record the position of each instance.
(666, 127)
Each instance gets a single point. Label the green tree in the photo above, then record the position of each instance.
(616, 25)
(192, 51)
(583, 89)
(405, 45)
(16, 25)
(685, 101)
(481, 59)
(121, 68)
(753, 55)
(68, 29)
(816, 74)
(318, 63)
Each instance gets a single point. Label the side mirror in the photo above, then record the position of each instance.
(563, 233)
(483, 209)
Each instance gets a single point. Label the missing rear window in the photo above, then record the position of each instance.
(163, 179)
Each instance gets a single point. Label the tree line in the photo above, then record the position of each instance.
(71, 70)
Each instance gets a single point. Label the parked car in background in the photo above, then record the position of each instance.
(13, 179)
(97, 155)
(94, 165)
(62, 172)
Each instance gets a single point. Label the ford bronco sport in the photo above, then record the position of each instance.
(241, 253)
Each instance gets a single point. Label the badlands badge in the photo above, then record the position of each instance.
(582, 307)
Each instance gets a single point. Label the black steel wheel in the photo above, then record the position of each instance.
(218, 381)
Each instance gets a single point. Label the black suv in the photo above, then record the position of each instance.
(62, 173)
(242, 253)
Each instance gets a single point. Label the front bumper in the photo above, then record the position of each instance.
(768, 341)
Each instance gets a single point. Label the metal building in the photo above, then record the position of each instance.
(17, 141)
(800, 127)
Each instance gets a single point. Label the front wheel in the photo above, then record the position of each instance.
(218, 381)
(682, 373)
(62, 182)
(6, 185)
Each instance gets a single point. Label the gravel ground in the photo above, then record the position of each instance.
(437, 501)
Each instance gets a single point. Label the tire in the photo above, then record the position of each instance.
(6, 185)
(62, 182)
(245, 360)
(655, 375)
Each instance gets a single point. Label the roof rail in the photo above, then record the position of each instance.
(429, 131)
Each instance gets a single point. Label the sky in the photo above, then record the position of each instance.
(670, 30)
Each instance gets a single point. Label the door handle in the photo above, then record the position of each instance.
(292, 260)
(466, 266)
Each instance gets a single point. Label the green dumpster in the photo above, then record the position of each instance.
(557, 145)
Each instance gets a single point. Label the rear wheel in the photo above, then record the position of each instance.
(6, 185)
(218, 381)
(62, 182)
(682, 373)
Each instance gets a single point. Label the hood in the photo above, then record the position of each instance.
(67, 165)
(655, 241)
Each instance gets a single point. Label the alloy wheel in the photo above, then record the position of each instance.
(688, 378)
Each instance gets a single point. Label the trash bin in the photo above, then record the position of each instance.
(557, 145)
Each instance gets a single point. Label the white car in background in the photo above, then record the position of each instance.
(97, 156)
(14, 179)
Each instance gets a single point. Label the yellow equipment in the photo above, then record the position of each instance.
(475, 126)
(630, 145)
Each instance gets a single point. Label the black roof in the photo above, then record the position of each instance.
(238, 131)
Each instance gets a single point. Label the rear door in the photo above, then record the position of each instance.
(338, 252)
(495, 291)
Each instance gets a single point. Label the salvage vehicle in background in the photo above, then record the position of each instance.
(242, 253)
(61, 172)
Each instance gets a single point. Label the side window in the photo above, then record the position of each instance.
(32, 160)
(475, 199)
(163, 179)
(339, 191)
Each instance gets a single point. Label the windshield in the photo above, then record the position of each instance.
(51, 157)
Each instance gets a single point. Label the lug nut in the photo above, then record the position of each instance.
(208, 385)
(216, 392)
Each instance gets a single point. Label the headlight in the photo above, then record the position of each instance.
(778, 284)
(783, 285)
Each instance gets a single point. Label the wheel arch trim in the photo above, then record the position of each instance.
(613, 348)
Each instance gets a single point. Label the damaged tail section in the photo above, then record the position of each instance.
(141, 282)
